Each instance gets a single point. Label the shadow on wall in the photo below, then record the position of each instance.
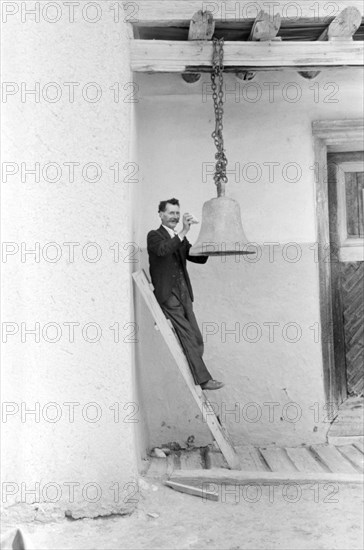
(259, 324)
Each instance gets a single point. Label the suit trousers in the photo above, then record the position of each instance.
(178, 308)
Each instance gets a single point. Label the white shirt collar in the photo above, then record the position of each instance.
(172, 232)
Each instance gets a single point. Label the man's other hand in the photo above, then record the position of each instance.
(188, 220)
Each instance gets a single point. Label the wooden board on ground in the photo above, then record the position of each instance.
(234, 477)
(191, 460)
(250, 459)
(333, 459)
(159, 467)
(215, 459)
(304, 460)
(202, 492)
(353, 454)
(171, 339)
(357, 440)
(277, 459)
(359, 444)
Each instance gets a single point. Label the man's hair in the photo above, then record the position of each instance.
(163, 204)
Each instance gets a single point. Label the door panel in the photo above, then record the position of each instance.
(346, 220)
(352, 281)
(354, 185)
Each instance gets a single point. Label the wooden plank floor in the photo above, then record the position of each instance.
(323, 459)
(342, 456)
(304, 460)
(251, 459)
(352, 453)
(278, 460)
(333, 459)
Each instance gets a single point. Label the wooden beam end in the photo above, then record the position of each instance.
(191, 78)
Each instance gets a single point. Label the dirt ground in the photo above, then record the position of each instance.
(320, 518)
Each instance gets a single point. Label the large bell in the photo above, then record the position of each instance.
(221, 229)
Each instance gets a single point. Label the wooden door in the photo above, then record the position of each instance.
(346, 219)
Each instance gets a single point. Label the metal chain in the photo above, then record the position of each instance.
(220, 177)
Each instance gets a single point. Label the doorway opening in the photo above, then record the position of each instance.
(339, 213)
(346, 229)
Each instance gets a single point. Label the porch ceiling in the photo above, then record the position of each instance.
(178, 13)
(161, 35)
(237, 31)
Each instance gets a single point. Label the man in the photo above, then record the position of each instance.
(168, 252)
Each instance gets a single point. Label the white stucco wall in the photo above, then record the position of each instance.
(274, 358)
(86, 465)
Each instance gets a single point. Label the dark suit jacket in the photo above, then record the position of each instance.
(164, 255)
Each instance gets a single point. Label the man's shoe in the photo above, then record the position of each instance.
(212, 385)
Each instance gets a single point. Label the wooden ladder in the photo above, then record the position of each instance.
(218, 431)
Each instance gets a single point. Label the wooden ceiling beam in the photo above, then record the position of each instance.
(159, 13)
(202, 27)
(195, 56)
(265, 27)
(342, 27)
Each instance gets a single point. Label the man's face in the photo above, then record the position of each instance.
(170, 217)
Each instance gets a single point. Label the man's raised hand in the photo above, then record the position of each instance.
(187, 220)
